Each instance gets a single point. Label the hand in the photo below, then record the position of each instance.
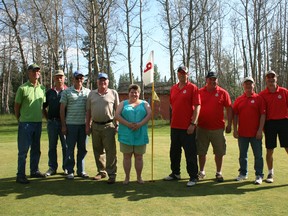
(228, 129)
(235, 134)
(64, 130)
(259, 135)
(191, 129)
(88, 130)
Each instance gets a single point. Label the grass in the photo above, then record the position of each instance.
(57, 196)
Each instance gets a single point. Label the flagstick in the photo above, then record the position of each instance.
(152, 146)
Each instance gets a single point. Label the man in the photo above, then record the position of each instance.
(53, 96)
(211, 124)
(101, 108)
(249, 118)
(72, 114)
(276, 99)
(185, 105)
(28, 111)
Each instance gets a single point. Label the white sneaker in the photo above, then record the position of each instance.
(70, 176)
(191, 183)
(269, 178)
(241, 177)
(201, 175)
(172, 177)
(258, 180)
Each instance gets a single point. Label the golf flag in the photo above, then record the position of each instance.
(148, 75)
(155, 96)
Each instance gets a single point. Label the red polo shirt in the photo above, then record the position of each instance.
(211, 115)
(182, 102)
(276, 103)
(249, 110)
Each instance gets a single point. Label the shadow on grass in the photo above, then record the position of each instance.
(58, 185)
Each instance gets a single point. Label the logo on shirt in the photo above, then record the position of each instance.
(184, 92)
(252, 101)
(279, 97)
(216, 95)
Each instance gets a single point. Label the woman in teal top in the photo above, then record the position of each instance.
(133, 115)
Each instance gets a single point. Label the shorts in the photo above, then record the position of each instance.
(273, 128)
(216, 137)
(141, 149)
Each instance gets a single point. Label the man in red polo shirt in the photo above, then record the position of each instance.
(211, 124)
(249, 118)
(276, 99)
(185, 105)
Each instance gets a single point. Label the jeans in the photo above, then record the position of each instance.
(29, 134)
(256, 144)
(54, 131)
(179, 139)
(75, 134)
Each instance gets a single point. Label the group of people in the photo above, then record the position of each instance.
(73, 113)
(197, 119)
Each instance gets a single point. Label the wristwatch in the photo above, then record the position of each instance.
(193, 124)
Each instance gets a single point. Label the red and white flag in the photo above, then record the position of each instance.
(148, 75)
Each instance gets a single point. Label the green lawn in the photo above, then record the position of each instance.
(57, 196)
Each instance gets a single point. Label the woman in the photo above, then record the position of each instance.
(133, 115)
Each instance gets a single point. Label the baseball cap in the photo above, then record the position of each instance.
(102, 75)
(78, 73)
(211, 74)
(248, 79)
(33, 66)
(59, 73)
(182, 69)
(270, 72)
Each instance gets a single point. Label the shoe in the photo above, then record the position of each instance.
(50, 172)
(22, 180)
(70, 176)
(37, 174)
(219, 177)
(258, 180)
(201, 175)
(269, 178)
(83, 175)
(111, 180)
(241, 177)
(172, 177)
(99, 176)
(65, 172)
(191, 182)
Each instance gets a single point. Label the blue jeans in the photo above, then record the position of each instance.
(75, 134)
(256, 144)
(54, 131)
(29, 134)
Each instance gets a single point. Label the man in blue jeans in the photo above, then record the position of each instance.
(28, 111)
(249, 118)
(52, 115)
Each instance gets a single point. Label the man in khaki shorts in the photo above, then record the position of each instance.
(211, 124)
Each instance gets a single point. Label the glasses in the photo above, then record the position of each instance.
(79, 78)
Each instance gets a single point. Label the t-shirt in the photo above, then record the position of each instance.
(31, 99)
(249, 111)
(183, 102)
(211, 115)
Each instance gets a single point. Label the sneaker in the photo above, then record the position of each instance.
(219, 177)
(70, 176)
(99, 176)
(22, 180)
(50, 172)
(172, 177)
(111, 180)
(201, 175)
(269, 178)
(37, 174)
(83, 175)
(65, 172)
(191, 182)
(241, 177)
(258, 180)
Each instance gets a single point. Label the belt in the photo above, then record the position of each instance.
(103, 123)
(54, 119)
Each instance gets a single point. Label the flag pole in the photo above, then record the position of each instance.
(152, 146)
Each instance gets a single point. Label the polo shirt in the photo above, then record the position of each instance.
(102, 107)
(249, 111)
(75, 105)
(211, 116)
(31, 99)
(276, 103)
(182, 102)
(53, 103)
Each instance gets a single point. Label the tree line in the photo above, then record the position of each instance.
(235, 38)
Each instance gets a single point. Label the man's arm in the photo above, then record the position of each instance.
(229, 113)
(62, 117)
(17, 107)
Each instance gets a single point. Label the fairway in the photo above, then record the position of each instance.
(57, 196)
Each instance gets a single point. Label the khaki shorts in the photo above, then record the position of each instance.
(132, 149)
(216, 137)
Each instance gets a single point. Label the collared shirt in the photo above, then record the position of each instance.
(276, 103)
(249, 111)
(211, 115)
(31, 99)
